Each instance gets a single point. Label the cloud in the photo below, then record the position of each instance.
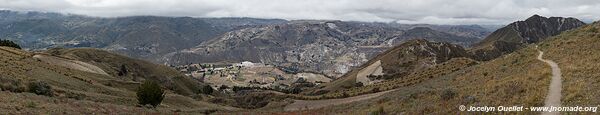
(402, 11)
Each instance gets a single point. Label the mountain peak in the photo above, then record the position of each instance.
(535, 17)
(517, 34)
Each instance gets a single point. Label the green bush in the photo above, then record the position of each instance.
(150, 92)
(9, 43)
(40, 88)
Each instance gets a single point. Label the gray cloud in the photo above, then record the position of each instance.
(402, 11)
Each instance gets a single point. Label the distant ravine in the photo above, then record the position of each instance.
(554, 92)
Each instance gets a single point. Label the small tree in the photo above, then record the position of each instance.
(150, 92)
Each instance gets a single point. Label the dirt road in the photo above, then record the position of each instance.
(73, 64)
(554, 92)
(314, 104)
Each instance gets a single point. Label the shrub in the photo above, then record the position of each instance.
(206, 89)
(300, 80)
(295, 90)
(344, 95)
(122, 71)
(150, 92)
(358, 84)
(448, 94)
(40, 88)
(9, 43)
(223, 88)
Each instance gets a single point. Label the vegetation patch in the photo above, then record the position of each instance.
(150, 92)
(9, 43)
(40, 88)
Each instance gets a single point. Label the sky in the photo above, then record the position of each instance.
(400, 11)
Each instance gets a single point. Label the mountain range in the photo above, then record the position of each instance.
(185, 40)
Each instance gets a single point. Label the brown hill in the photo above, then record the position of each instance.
(83, 81)
(133, 70)
(398, 62)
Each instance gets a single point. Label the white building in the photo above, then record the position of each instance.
(245, 64)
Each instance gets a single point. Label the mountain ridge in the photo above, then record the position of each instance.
(520, 33)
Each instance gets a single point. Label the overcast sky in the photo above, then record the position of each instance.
(401, 11)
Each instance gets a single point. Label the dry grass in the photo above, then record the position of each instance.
(79, 92)
(578, 55)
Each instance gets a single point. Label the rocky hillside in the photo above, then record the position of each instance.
(145, 37)
(328, 47)
(520, 33)
(405, 59)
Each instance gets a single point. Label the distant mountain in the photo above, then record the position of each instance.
(328, 47)
(145, 37)
(297, 44)
(517, 34)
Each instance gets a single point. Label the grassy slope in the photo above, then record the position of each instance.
(514, 79)
(75, 86)
(578, 55)
(137, 69)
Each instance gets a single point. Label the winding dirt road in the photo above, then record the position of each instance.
(72, 64)
(554, 92)
(315, 104)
